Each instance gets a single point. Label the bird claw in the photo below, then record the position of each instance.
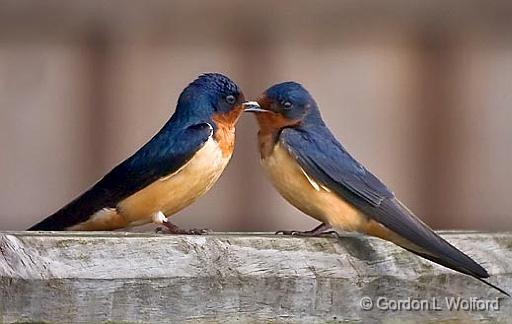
(319, 231)
(170, 228)
(309, 233)
(198, 231)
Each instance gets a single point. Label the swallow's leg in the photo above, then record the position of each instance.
(170, 228)
(320, 230)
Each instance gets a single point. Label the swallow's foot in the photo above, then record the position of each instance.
(320, 230)
(170, 228)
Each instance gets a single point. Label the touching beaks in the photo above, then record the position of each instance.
(253, 106)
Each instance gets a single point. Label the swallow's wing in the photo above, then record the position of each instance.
(328, 162)
(323, 158)
(164, 154)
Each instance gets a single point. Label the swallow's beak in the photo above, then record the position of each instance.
(253, 106)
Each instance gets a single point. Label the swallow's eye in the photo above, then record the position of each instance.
(287, 105)
(230, 99)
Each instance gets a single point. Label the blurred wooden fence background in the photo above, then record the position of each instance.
(419, 91)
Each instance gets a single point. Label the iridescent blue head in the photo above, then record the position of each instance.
(286, 104)
(211, 94)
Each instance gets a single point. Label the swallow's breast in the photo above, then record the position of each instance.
(178, 190)
(308, 195)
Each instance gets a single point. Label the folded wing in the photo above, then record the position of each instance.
(164, 154)
(324, 158)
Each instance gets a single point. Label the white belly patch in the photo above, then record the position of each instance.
(309, 196)
(178, 190)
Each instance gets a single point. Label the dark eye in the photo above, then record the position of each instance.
(287, 105)
(230, 99)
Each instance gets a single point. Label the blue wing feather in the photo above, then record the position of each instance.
(164, 154)
(325, 159)
(332, 164)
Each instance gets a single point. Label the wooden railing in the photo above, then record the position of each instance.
(248, 277)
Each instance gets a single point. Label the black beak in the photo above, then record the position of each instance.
(253, 106)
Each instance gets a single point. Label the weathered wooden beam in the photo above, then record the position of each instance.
(93, 277)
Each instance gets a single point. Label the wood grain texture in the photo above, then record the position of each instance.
(95, 277)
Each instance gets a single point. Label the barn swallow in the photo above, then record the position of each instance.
(178, 165)
(314, 172)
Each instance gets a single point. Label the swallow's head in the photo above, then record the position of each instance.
(285, 104)
(213, 95)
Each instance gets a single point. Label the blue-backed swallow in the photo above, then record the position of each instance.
(178, 165)
(314, 172)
